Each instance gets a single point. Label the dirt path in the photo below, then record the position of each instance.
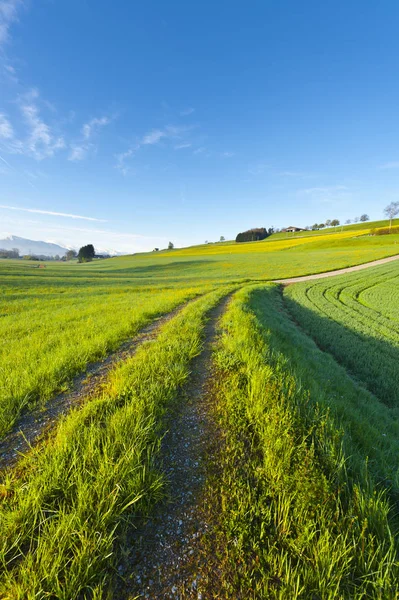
(165, 565)
(33, 426)
(374, 263)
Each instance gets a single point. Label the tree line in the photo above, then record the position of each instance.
(255, 234)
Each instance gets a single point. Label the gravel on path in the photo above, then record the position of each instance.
(164, 554)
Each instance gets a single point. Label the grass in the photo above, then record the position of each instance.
(65, 505)
(54, 321)
(306, 472)
(356, 319)
(294, 518)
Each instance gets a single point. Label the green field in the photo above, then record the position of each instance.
(303, 492)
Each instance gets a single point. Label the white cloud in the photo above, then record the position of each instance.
(6, 130)
(41, 142)
(186, 112)
(78, 152)
(170, 131)
(390, 165)
(227, 154)
(89, 128)
(183, 145)
(50, 212)
(121, 160)
(8, 16)
(200, 150)
(80, 149)
(153, 137)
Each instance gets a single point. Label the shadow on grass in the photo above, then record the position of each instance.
(370, 427)
(373, 361)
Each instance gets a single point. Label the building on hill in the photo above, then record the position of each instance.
(292, 229)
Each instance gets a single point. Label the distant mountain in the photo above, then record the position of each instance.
(44, 248)
(31, 246)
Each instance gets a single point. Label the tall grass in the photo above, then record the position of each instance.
(292, 520)
(62, 510)
(50, 334)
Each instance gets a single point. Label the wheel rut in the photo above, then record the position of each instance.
(161, 559)
(34, 426)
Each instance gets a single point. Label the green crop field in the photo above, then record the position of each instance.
(301, 493)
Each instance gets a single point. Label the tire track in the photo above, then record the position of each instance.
(161, 559)
(38, 423)
(374, 263)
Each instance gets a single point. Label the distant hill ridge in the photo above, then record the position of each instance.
(33, 247)
(39, 248)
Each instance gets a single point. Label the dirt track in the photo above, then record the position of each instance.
(374, 263)
(40, 421)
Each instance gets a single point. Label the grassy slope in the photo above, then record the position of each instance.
(292, 521)
(50, 313)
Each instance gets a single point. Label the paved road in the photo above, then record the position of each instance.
(374, 263)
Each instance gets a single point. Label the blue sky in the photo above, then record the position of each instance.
(144, 122)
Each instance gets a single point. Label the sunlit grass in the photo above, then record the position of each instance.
(293, 518)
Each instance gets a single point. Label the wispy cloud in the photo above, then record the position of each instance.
(186, 112)
(94, 124)
(6, 129)
(171, 133)
(40, 142)
(80, 149)
(52, 213)
(324, 190)
(390, 165)
(121, 160)
(153, 137)
(168, 132)
(227, 154)
(78, 152)
(8, 15)
(200, 150)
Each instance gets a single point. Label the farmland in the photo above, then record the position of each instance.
(302, 485)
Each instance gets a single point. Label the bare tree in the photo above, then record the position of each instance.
(391, 211)
(328, 222)
(364, 218)
(356, 219)
(348, 222)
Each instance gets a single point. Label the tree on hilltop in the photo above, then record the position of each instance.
(391, 211)
(328, 223)
(86, 253)
(171, 246)
(364, 218)
(335, 222)
(222, 238)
